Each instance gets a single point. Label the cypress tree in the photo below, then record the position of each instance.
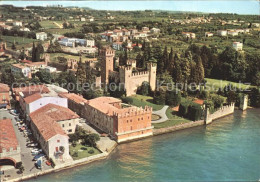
(165, 58)
(170, 64)
(33, 53)
(81, 72)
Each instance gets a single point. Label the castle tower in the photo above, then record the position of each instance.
(152, 75)
(107, 63)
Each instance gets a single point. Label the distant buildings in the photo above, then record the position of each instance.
(155, 30)
(71, 42)
(233, 33)
(41, 36)
(189, 35)
(238, 46)
(222, 32)
(18, 23)
(208, 34)
(10, 151)
(5, 96)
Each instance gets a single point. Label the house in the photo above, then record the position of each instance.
(25, 29)
(18, 23)
(145, 29)
(90, 43)
(238, 46)
(41, 36)
(117, 45)
(222, 32)
(208, 34)
(82, 19)
(126, 32)
(189, 35)
(155, 30)
(232, 33)
(10, 151)
(48, 132)
(5, 96)
(19, 68)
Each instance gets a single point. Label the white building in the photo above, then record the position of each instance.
(82, 19)
(208, 34)
(238, 46)
(222, 32)
(41, 36)
(18, 68)
(90, 43)
(50, 69)
(155, 30)
(25, 29)
(233, 33)
(117, 45)
(18, 23)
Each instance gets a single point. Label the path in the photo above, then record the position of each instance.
(162, 114)
(58, 25)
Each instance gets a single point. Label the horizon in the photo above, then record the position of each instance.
(250, 7)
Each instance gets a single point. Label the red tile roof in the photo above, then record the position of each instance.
(32, 98)
(4, 88)
(74, 97)
(45, 119)
(7, 135)
(31, 89)
(199, 101)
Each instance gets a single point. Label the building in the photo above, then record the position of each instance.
(208, 34)
(233, 33)
(189, 35)
(145, 29)
(155, 30)
(5, 96)
(82, 19)
(29, 90)
(48, 132)
(117, 45)
(41, 36)
(25, 29)
(107, 114)
(50, 69)
(27, 68)
(222, 32)
(70, 42)
(238, 46)
(10, 152)
(18, 23)
(131, 80)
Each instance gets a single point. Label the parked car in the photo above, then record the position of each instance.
(13, 112)
(32, 144)
(38, 156)
(38, 164)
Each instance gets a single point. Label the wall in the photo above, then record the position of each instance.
(44, 101)
(69, 126)
(57, 141)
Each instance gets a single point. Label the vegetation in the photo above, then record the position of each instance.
(142, 101)
(81, 151)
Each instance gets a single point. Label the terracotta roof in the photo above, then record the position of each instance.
(74, 97)
(4, 88)
(18, 66)
(199, 101)
(7, 135)
(31, 89)
(45, 119)
(32, 98)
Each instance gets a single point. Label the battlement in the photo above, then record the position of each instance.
(125, 67)
(153, 65)
(133, 111)
(107, 51)
(144, 73)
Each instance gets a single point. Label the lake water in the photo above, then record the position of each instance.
(226, 150)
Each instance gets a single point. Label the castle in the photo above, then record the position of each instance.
(131, 80)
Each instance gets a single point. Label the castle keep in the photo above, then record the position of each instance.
(131, 80)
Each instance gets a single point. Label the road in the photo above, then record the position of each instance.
(26, 156)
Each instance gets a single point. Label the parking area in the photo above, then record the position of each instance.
(24, 138)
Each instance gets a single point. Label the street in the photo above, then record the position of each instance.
(26, 156)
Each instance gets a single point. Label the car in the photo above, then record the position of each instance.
(39, 156)
(13, 112)
(32, 144)
(48, 163)
(38, 164)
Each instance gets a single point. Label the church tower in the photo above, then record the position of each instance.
(107, 64)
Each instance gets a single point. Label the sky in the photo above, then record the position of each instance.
(210, 6)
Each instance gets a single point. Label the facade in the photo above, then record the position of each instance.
(155, 30)
(18, 23)
(222, 32)
(5, 96)
(238, 46)
(131, 80)
(189, 35)
(10, 152)
(48, 126)
(117, 46)
(107, 114)
(208, 34)
(233, 33)
(41, 36)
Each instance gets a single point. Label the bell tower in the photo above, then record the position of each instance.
(107, 63)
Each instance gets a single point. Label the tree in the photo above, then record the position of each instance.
(199, 70)
(33, 52)
(40, 48)
(44, 76)
(173, 97)
(144, 89)
(177, 73)
(159, 97)
(185, 69)
(54, 48)
(165, 58)
(91, 139)
(81, 72)
(157, 55)
(13, 47)
(170, 65)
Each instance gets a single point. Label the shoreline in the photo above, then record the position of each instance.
(105, 154)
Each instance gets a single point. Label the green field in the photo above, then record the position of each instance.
(141, 100)
(50, 24)
(82, 151)
(19, 41)
(214, 84)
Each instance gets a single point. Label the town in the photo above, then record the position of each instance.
(77, 82)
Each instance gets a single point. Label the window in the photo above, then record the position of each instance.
(127, 121)
(70, 130)
(138, 119)
(58, 141)
(69, 124)
(63, 125)
(131, 128)
(57, 149)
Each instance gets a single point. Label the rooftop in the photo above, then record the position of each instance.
(32, 98)
(7, 135)
(46, 119)
(4, 88)
(71, 96)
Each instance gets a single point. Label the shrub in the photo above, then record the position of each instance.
(127, 100)
(75, 154)
(194, 112)
(91, 151)
(183, 109)
(173, 98)
(204, 94)
(159, 97)
(74, 144)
